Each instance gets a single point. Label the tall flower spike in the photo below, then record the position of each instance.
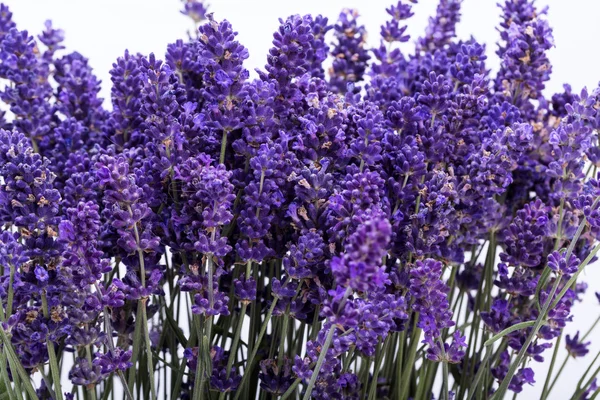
(360, 267)
(441, 28)
(525, 66)
(292, 51)
(349, 53)
(223, 58)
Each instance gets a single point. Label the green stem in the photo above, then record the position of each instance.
(7, 385)
(15, 365)
(324, 349)
(591, 329)
(137, 340)
(291, 389)
(444, 395)
(409, 365)
(399, 363)
(250, 361)
(9, 302)
(54, 369)
(560, 370)
(141, 315)
(499, 394)
(148, 348)
(223, 147)
(197, 394)
(587, 371)
(483, 367)
(236, 339)
(545, 390)
(320, 360)
(208, 322)
(573, 279)
(91, 388)
(508, 330)
(111, 346)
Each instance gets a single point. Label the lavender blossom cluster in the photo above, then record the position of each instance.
(394, 226)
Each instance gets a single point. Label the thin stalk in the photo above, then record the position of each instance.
(590, 329)
(408, 366)
(137, 340)
(177, 388)
(483, 367)
(284, 332)
(587, 371)
(250, 361)
(499, 394)
(508, 330)
(545, 390)
(111, 346)
(399, 363)
(15, 365)
(91, 388)
(291, 389)
(9, 302)
(141, 312)
(54, 370)
(236, 339)
(423, 372)
(581, 390)
(5, 377)
(444, 395)
(148, 348)
(198, 394)
(365, 368)
(314, 329)
(320, 360)
(223, 147)
(209, 319)
(560, 370)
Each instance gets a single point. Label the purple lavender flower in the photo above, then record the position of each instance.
(194, 9)
(575, 347)
(524, 238)
(349, 52)
(441, 28)
(430, 299)
(359, 268)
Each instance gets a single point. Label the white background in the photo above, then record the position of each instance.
(101, 30)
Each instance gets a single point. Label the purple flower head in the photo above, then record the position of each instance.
(349, 52)
(114, 360)
(558, 263)
(276, 377)
(441, 28)
(575, 347)
(430, 298)
(453, 353)
(41, 274)
(293, 49)
(525, 66)
(524, 238)
(6, 22)
(360, 266)
(245, 290)
(306, 257)
(196, 10)
(523, 376)
(84, 374)
(392, 31)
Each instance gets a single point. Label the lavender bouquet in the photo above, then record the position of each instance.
(401, 226)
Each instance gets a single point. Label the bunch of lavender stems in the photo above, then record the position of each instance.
(402, 225)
